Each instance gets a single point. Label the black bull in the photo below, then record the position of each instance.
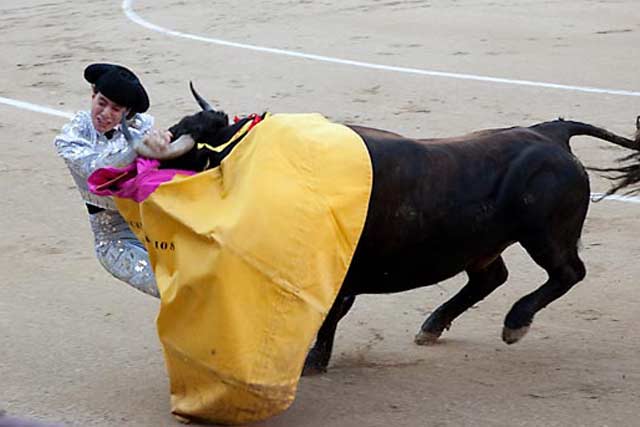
(442, 206)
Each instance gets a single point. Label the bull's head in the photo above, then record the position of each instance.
(202, 126)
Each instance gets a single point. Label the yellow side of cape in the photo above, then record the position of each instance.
(248, 259)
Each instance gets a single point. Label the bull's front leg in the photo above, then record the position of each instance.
(320, 354)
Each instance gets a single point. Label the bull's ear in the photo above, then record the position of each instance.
(201, 101)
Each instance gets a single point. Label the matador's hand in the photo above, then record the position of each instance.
(157, 141)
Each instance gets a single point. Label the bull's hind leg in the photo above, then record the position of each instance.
(482, 281)
(551, 210)
(553, 245)
(564, 272)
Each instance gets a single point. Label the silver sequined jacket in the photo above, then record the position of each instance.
(84, 150)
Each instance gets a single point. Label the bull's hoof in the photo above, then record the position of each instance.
(511, 336)
(181, 419)
(313, 370)
(316, 362)
(426, 338)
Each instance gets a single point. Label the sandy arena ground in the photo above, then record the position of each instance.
(79, 348)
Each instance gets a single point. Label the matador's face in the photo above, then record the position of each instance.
(105, 114)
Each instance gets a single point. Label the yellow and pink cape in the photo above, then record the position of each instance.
(248, 258)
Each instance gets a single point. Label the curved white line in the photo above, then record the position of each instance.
(33, 107)
(127, 7)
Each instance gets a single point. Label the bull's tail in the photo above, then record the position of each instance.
(568, 129)
(627, 173)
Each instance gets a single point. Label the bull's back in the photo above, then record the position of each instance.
(435, 187)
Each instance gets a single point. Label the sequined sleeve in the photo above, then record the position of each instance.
(84, 150)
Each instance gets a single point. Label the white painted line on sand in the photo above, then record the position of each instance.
(34, 107)
(127, 7)
(616, 198)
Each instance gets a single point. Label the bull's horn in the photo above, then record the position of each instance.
(201, 101)
(125, 128)
(177, 148)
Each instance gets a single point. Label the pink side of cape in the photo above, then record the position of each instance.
(136, 181)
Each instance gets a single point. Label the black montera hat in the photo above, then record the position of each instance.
(119, 84)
